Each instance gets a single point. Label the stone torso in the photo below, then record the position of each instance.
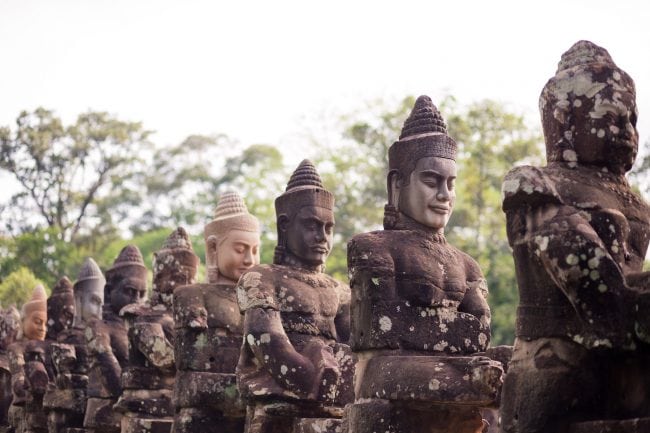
(565, 224)
(412, 290)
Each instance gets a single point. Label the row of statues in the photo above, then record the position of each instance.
(405, 348)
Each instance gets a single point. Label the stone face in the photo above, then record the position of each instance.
(294, 364)
(579, 236)
(419, 316)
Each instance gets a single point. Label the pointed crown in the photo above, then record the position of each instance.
(37, 302)
(584, 53)
(231, 214)
(62, 287)
(129, 259)
(177, 244)
(89, 271)
(305, 188)
(424, 134)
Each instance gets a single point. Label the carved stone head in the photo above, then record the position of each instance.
(88, 293)
(9, 326)
(305, 219)
(232, 240)
(60, 308)
(422, 170)
(589, 111)
(174, 265)
(34, 315)
(126, 280)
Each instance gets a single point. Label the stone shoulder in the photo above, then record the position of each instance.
(528, 185)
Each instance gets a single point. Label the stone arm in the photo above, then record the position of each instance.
(578, 262)
(299, 373)
(17, 368)
(105, 368)
(151, 341)
(342, 319)
(475, 301)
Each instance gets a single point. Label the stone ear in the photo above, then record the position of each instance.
(212, 245)
(393, 185)
(283, 223)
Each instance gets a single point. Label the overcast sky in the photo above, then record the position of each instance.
(252, 70)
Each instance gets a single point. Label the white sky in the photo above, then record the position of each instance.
(253, 69)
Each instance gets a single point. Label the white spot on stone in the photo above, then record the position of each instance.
(572, 259)
(570, 155)
(510, 186)
(482, 339)
(385, 323)
(434, 384)
(601, 133)
(616, 75)
(284, 369)
(265, 338)
(594, 275)
(602, 288)
(577, 102)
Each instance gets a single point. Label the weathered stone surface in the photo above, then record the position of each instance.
(637, 425)
(379, 415)
(318, 425)
(206, 420)
(433, 380)
(579, 236)
(217, 390)
(145, 425)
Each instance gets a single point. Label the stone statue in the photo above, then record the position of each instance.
(293, 367)
(88, 294)
(66, 396)
(27, 364)
(209, 325)
(60, 309)
(9, 327)
(148, 380)
(419, 309)
(107, 341)
(579, 236)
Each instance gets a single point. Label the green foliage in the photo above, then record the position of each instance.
(69, 175)
(43, 252)
(17, 287)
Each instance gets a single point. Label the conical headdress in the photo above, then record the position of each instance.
(129, 257)
(584, 53)
(583, 72)
(37, 302)
(90, 271)
(231, 214)
(305, 188)
(424, 134)
(179, 246)
(62, 287)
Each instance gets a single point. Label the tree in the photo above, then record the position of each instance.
(17, 287)
(68, 175)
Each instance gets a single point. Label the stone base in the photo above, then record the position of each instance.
(100, 416)
(205, 420)
(318, 425)
(209, 390)
(383, 416)
(637, 425)
(432, 380)
(146, 425)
